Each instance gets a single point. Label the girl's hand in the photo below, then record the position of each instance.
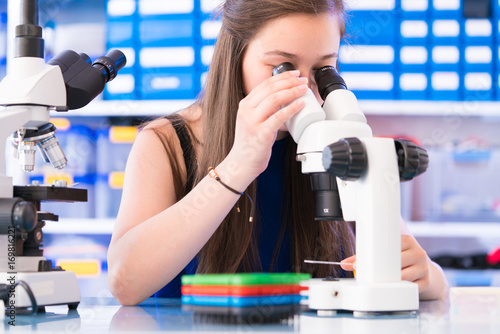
(260, 117)
(414, 263)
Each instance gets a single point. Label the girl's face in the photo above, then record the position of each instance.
(309, 42)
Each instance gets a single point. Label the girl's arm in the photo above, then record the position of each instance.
(154, 236)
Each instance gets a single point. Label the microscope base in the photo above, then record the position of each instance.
(49, 288)
(350, 295)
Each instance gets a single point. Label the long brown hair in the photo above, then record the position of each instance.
(233, 246)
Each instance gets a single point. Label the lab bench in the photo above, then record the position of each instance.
(105, 315)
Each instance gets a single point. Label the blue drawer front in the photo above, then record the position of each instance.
(121, 8)
(209, 29)
(478, 58)
(478, 86)
(171, 32)
(413, 86)
(370, 85)
(478, 32)
(121, 32)
(445, 58)
(367, 58)
(169, 84)
(372, 27)
(414, 8)
(446, 31)
(446, 8)
(151, 8)
(445, 85)
(414, 32)
(413, 58)
(123, 87)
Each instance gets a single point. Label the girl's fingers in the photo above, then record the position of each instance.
(349, 267)
(350, 259)
(407, 258)
(272, 104)
(411, 274)
(407, 242)
(275, 121)
(289, 75)
(423, 283)
(273, 85)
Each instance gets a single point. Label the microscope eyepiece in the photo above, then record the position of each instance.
(284, 67)
(328, 79)
(110, 64)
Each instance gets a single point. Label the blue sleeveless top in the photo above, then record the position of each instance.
(270, 205)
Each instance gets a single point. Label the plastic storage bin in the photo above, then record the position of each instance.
(461, 186)
(84, 254)
(109, 189)
(113, 147)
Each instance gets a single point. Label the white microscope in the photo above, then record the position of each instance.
(29, 92)
(367, 172)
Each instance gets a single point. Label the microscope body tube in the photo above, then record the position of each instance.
(342, 105)
(311, 113)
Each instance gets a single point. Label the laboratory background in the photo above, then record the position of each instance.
(426, 70)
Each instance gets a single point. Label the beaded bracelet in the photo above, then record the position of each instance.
(213, 174)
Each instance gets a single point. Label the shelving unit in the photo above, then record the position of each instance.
(80, 226)
(144, 108)
(454, 229)
(418, 229)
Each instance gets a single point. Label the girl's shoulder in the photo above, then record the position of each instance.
(166, 126)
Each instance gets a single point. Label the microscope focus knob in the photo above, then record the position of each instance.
(345, 159)
(412, 159)
(17, 213)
